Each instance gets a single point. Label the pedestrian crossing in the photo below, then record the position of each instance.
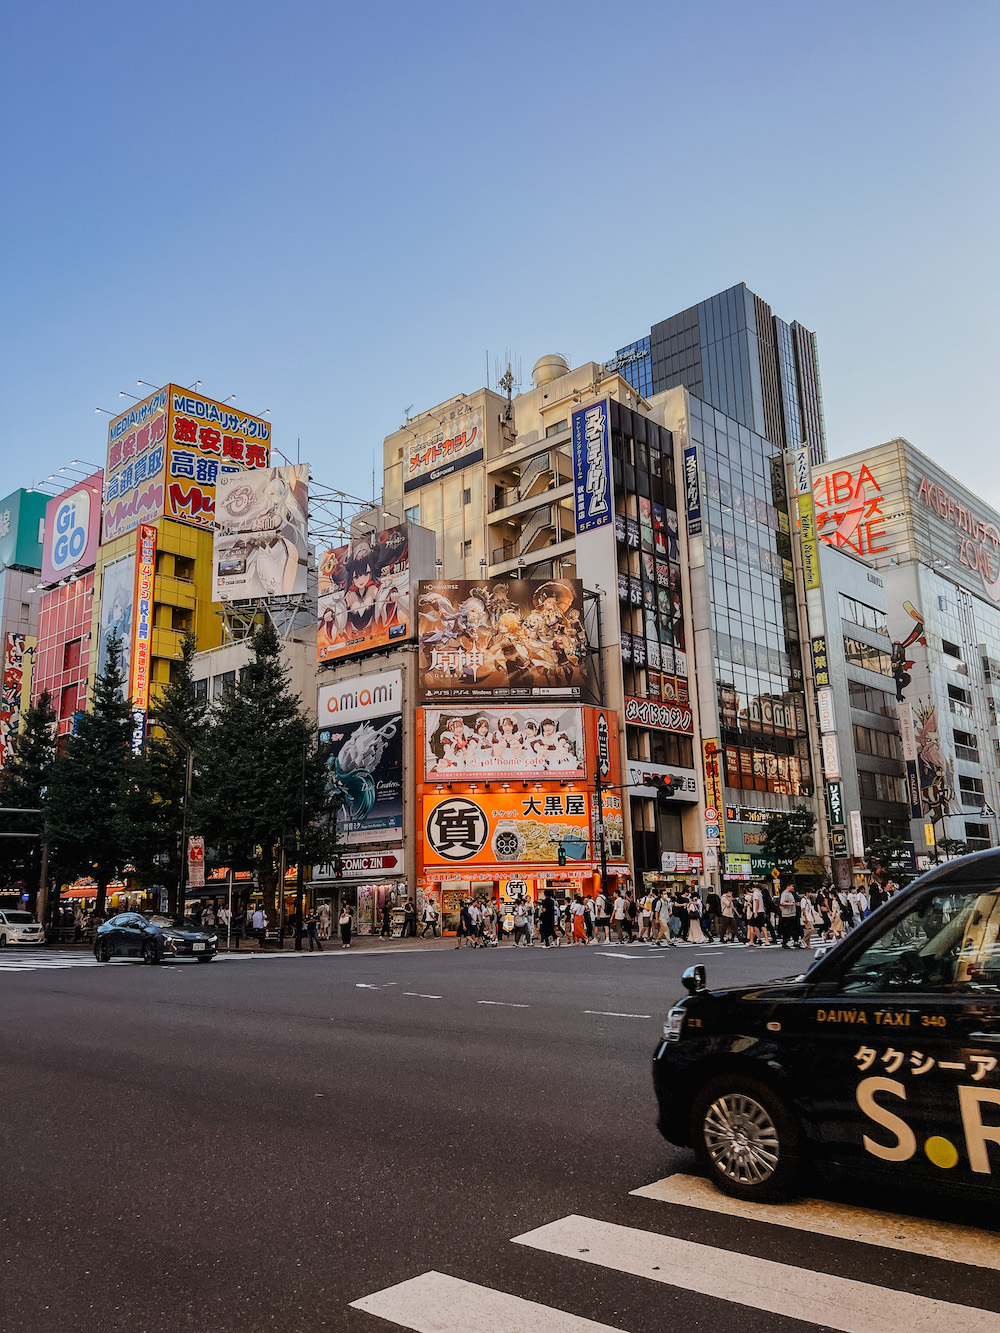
(16, 959)
(435, 1302)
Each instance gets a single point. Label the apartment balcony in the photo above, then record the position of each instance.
(504, 563)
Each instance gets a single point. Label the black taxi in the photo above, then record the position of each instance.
(884, 1056)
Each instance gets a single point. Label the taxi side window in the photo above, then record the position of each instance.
(948, 941)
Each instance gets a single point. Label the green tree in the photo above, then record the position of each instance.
(180, 718)
(263, 773)
(947, 848)
(95, 810)
(22, 786)
(886, 858)
(788, 835)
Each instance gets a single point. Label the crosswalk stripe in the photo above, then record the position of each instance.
(937, 1240)
(798, 1293)
(437, 1303)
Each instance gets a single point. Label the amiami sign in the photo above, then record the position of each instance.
(849, 510)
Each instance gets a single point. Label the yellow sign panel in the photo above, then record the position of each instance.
(808, 541)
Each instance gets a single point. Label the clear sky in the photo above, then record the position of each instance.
(335, 211)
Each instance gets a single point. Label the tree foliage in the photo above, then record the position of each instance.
(97, 803)
(23, 783)
(788, 835)
(887, 858)
(262, 779)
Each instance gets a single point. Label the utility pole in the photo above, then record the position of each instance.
(299, 868)
(182, 872)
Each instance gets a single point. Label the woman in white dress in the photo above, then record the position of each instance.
(695, 933)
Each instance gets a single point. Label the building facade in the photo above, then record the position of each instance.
(937, 547)
(734, 354)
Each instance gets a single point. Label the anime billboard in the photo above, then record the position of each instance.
(364, 594)
(261, 546)
(117, 593)
(365, 768)
(500, 744)
(495, 640)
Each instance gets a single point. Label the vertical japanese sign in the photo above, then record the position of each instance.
(908, 736)
(15, 661)
(592, 466)
(692, 490)
(808, 541)
(835, 802)
(821, 665)
(196, 863)
(142, 626)
(857, 835)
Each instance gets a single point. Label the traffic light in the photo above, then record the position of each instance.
(665, 785)
(562, 854)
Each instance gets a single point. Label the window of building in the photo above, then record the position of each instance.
(971, 789)
(952, 649)
(68, 698)
(467, 550)
(883, 744)
(467, 495)
(71, 655)
(219, 683)
(25, 611)
(870, 699)
(557, 427)
(977, 836)
(958, 702)
(183, 568)
(956, 692)
(412, 515)
(967, 739)
(860, 613)
(878, 786)
(201, 691)
(864, 655)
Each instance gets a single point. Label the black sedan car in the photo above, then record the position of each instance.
(153, 939)
(884, 1057)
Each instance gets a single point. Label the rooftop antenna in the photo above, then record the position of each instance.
(506, 383)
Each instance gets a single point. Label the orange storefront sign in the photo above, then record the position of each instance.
(497, 831)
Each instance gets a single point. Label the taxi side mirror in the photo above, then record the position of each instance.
(693, 978)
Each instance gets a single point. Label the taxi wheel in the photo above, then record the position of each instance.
(745, 1138)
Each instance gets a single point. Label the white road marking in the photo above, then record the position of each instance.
(363, 985)
(504, 1004)
(419, 995)
(437, 1303)
(630, 957)
(609, 1013)
(798, 1293)
(938, 1240)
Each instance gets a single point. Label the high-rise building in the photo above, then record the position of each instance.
(733, 353)
(934, 655)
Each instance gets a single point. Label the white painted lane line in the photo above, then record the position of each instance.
(437, 1303)
(938, 1240)
(419, 995)
(504, 1004)
(761, 1284)
(609, 1013)
(629, 957)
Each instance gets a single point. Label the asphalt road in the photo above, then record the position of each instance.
(256, 1144)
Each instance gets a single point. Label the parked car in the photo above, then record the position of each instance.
(884, 1057)
(19, 928)
(153, 939)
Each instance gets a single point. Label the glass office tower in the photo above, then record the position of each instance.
(733, 353)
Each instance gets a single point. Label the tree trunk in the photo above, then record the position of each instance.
(101, 902)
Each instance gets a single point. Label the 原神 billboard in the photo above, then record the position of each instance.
(497, 744)
(117, 593)
(365, 768)
(494, 639)
(364, 594)
(261, 546)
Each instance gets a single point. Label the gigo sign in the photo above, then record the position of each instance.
(72, 529)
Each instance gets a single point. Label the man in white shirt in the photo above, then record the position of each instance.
(787, 909)
(757, 932)
(618, 917)
(429, 918)
(258, 923)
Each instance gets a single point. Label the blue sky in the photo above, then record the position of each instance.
(335, 211)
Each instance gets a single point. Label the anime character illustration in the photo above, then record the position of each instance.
(498, 744)
(482, 640)
(935, 769)
(900, 664)
(364, 593)
(351, 770)
(263, 545)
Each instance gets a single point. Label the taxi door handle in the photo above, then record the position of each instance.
(992, 1037)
